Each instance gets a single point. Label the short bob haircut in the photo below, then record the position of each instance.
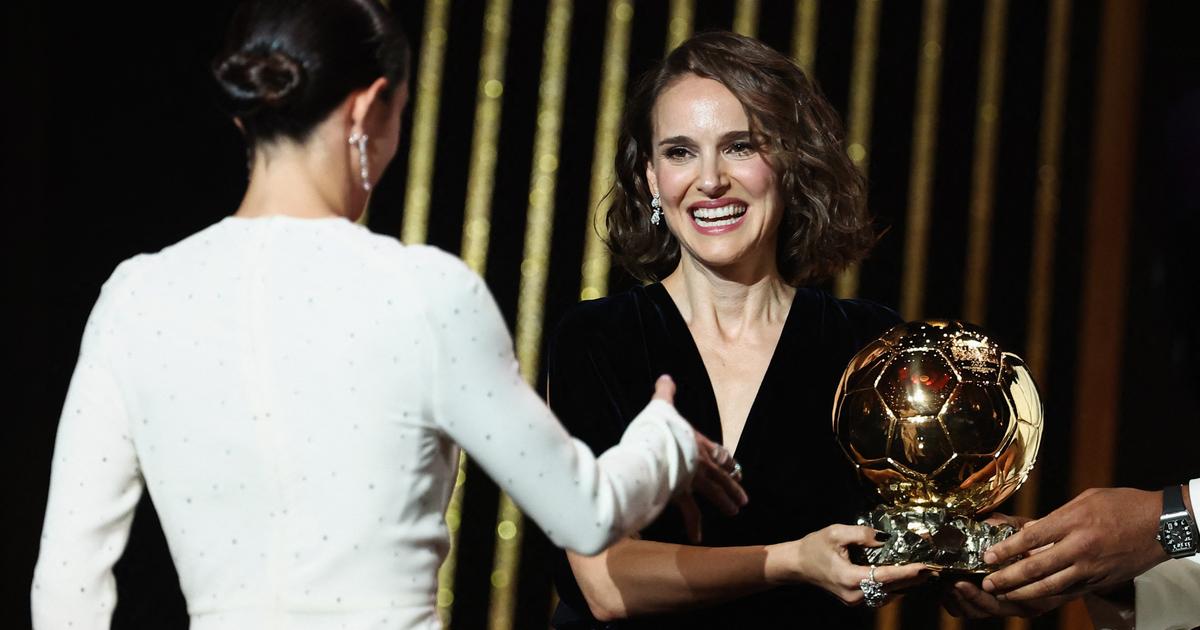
(825, 225)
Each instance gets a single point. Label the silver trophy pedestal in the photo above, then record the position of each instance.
(945, 542)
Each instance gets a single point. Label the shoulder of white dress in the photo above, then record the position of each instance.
(128, 271)
(438, 266)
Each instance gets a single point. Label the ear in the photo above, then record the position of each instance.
(651, 177)
(365, 105)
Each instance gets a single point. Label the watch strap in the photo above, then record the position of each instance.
(1174, 514)
(1173, 501)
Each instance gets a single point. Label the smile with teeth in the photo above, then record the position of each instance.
(716, 217)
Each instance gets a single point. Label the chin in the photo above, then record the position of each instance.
(724, 257)
(724, 260)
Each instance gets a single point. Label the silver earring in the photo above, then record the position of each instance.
(656, 206)
(360, 140)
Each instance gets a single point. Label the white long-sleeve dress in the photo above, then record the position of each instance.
(291, 393)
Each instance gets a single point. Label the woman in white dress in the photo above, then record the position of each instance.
(291, 389)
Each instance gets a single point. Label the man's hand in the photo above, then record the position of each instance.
(1100, 539)
(964, 599)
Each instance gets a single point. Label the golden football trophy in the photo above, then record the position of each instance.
(944, 426)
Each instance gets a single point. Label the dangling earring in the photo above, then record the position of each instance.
(360, 139)
(656, 206)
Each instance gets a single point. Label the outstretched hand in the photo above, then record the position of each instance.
(717, 475)
(1100, 539)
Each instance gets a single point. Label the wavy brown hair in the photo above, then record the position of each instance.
(825, 225)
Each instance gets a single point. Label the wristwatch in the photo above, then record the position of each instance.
(1176, 528)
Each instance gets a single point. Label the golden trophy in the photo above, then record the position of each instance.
(944, 426)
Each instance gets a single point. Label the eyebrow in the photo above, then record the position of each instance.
(727, 137)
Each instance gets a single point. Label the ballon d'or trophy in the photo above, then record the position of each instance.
(944, 426)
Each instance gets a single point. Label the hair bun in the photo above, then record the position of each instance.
(256, 79)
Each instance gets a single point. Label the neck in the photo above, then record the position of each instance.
(301, 181)
(729, 302)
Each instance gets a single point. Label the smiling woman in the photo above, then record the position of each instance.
(711, 180)
(733, 190)
(754, 106)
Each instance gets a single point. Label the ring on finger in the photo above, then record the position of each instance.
(873, 593)
(736, 473)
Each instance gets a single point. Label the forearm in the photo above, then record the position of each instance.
(636, 577)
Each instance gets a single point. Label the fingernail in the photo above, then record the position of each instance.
(882, 536)
(927, 571)
(989, 557)
(988, 586)
(961, 587)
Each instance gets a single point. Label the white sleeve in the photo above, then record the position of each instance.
(1168, 596)
(1194, 497)
(582, 502)
(95, 485)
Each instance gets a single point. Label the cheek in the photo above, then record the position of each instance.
(673, 183)
(760, 182)
(758, 179)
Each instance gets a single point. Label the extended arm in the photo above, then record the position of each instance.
(638, 577)
(94, 487)
(479, 399)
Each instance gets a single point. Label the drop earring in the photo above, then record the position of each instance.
(656, 209)
(360, 140)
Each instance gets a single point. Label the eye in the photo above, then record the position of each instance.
(677, 153)
(741, 148)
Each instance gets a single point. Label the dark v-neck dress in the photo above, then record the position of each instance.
(604, 360)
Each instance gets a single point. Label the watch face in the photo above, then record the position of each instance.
(1177, 536)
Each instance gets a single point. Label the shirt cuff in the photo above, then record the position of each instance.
(1194, 494)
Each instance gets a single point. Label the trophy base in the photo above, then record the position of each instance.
(951, 544)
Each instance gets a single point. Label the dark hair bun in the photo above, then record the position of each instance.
(252, 80)
(286, 64)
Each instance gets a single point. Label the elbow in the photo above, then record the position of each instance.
(604, 614)
(605, 604)
(598, 585)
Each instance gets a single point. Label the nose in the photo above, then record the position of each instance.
(713, 180)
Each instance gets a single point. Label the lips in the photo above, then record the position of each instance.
(717, 216)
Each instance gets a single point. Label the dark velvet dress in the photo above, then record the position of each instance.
(604, 360)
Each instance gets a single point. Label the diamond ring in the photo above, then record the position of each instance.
(873, 594)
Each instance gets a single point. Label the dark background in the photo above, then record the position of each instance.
(114, 146)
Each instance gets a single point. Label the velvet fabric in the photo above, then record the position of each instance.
(604, 359)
